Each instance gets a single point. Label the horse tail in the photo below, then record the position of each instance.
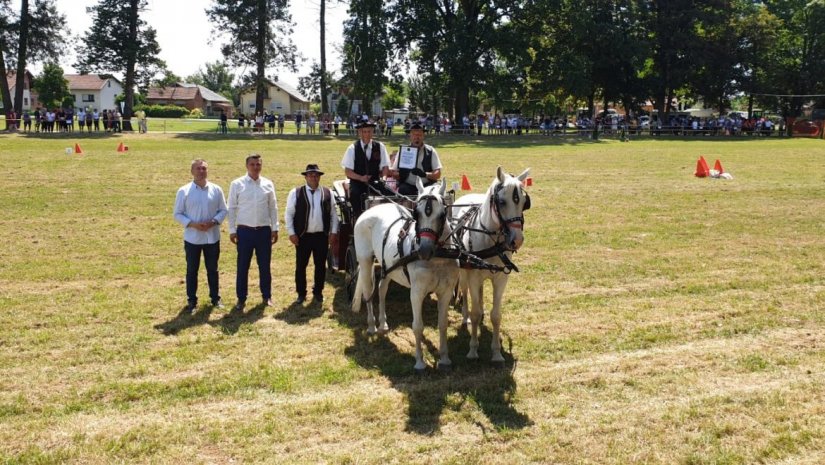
(362, 235)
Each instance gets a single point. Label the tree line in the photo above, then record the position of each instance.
(543, 56)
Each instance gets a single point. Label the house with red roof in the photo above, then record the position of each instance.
(189, 96)
(29, 97)
(94, 91)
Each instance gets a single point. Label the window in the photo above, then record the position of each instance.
(25, 101)
(88, 98)
(252, 105)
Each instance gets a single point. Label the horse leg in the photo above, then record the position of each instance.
(444, 362)
(465, 297)
(417, 301)
(476, 287)
(383, 285)
(495, 316)
(366, 290)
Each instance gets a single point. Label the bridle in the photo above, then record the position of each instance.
(424, 232)
(516, 222)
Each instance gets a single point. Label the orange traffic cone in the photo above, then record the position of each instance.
(120, 148)
(528, 182)
(77, 149)
(465, 183)
(718, 166)
(702, 170)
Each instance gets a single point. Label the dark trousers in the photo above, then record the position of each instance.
(259, 242)
(314, 244)
(211, 254)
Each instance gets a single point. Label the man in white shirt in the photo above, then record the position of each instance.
(312, 224)
(427, 165)
(200, 207)
(365, 162)
(253, 227)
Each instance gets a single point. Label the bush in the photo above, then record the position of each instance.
(164, 111)
(196, 113)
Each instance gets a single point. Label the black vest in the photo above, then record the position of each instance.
(301, 218)
(426, 165)
(362, 166)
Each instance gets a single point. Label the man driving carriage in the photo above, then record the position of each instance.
(419, 160)
(365, 162)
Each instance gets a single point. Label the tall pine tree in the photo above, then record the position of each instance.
(256, 34)
(120, 41)
(18, 46)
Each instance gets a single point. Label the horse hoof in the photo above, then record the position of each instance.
(498, 364)
(420, 371)
(371, 332)
(445, 367)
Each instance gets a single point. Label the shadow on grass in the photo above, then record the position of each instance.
(300, 314)
(184, 320)
(470, 384)
(232, 321)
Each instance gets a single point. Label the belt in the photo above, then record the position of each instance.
(256, 228)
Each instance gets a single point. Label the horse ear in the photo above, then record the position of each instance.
(524, 175)
(500, 174)
(419, 185)
(444, 187)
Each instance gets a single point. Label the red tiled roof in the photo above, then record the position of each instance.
(11, 78)
(172, 93)
(87, 81)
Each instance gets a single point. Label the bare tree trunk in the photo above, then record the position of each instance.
(324, 104)
(131, 61)
(22, 46)
(4, 86)
(260, 56)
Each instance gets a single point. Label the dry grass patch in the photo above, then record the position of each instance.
(658, 318)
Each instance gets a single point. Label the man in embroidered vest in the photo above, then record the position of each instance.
(200, 207)
(312, 224)
(364, 163)
(427, 164)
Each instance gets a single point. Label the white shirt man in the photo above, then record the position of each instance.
(253, 227)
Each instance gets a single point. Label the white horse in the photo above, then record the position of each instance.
(494, 227)
(378, 233)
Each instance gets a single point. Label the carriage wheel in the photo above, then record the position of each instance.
(351, 271)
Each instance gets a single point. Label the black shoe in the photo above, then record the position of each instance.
(318, 298)
(191, 306)
(301, 299)
(239, 306)
(218, 304)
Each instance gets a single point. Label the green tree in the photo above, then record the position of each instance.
(120, 41)
(167, 79)
(366, 50)
(18, 46)
(456, 38)
(257, 34)
(311, 85)
(52, 88)
(218, 77)
(393, 98)
(342, 109)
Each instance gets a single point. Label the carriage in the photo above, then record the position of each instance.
(342, 254)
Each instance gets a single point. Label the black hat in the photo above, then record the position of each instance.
(312, 168)
(365, 124)
(417, 126)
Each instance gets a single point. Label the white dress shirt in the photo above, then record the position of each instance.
(349, 156)
(195, 204)
(252, 203)
(316, 219)
(418, 164)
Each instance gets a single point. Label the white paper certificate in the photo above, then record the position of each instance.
(407, 157)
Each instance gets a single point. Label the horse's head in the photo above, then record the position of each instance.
(508, 201)
(430, 216)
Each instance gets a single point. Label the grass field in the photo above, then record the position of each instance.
(658, 318)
